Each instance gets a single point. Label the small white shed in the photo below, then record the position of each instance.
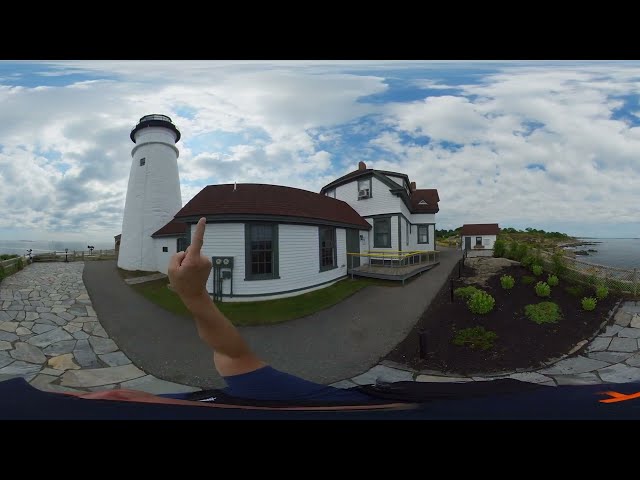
(478, 238)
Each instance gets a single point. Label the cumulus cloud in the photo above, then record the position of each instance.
(519, 143)
(578, 144)
(69, 143)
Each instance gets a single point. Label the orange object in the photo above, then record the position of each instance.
(619, 397)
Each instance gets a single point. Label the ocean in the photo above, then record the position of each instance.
(21, 246)
(612, 252)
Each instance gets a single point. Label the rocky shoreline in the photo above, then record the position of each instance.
(577, 244)
(584, 252)
(571, 247)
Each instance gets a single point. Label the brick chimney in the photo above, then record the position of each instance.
(362, 166)
(413, 186)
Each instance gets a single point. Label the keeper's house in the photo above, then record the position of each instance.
(270, 241)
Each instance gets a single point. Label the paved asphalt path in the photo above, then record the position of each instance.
(337, 343)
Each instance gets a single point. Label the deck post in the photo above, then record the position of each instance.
(351, 266)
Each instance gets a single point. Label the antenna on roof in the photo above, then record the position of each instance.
(235, 186)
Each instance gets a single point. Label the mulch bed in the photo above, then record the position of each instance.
(521, 343)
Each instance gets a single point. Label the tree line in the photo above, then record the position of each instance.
(444, 233)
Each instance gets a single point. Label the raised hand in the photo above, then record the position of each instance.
(189, 270)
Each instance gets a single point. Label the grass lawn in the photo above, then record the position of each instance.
(133, 273)
(266, 312)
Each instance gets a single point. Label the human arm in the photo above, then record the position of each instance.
(188, 273)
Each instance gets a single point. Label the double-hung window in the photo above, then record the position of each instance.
(382, 233)
(327, 248)
(423, 233)
(261, 251)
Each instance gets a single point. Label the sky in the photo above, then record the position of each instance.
(551, 145)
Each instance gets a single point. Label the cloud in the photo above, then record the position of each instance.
(581, 146)
(65, 148)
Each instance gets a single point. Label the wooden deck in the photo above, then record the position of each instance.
(390, 272)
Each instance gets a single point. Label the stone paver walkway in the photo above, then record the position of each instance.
(613, 356)
(51, 336)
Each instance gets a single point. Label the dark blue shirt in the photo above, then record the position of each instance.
(267, 383)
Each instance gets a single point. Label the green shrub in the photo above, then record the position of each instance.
(592, 280)
(528, 260)
(465, 293)
(499, 248)
(517, 251)
(7, 256)
(475, 337)
(552, 280)
(575, 290)
(507, 282)
(558, 263)
(528, 280)
(543, 312)
(601, 292)
(589, 303)
(543, 289)
(522, 251)
(481, 303)
(537, 270)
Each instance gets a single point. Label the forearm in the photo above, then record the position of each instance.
(216, 329)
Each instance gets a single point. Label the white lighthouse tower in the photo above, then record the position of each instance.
(153, 194)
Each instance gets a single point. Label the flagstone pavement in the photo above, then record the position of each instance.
(51, 336)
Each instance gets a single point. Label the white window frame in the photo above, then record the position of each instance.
(364, 185)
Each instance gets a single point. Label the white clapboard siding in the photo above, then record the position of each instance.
(364, 245)
(405, 211)
(162, 258)
(299, 260)
(414, 245)
(225, 239)
(406, 234)
(382, 200)
(396, 180)
(487, 241)
(394, 234)
(423, 218)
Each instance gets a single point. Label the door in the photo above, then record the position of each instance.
(467, 243)
(353, 246)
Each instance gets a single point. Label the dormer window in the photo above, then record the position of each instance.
(364, 189)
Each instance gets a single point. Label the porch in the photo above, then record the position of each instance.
(391, 265)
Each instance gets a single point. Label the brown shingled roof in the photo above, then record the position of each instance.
(429, 195)
(480, 229)
(173, 228)
(273, 200)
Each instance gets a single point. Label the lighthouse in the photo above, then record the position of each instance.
(153, 194)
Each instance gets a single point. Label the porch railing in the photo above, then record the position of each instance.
(393, 259)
